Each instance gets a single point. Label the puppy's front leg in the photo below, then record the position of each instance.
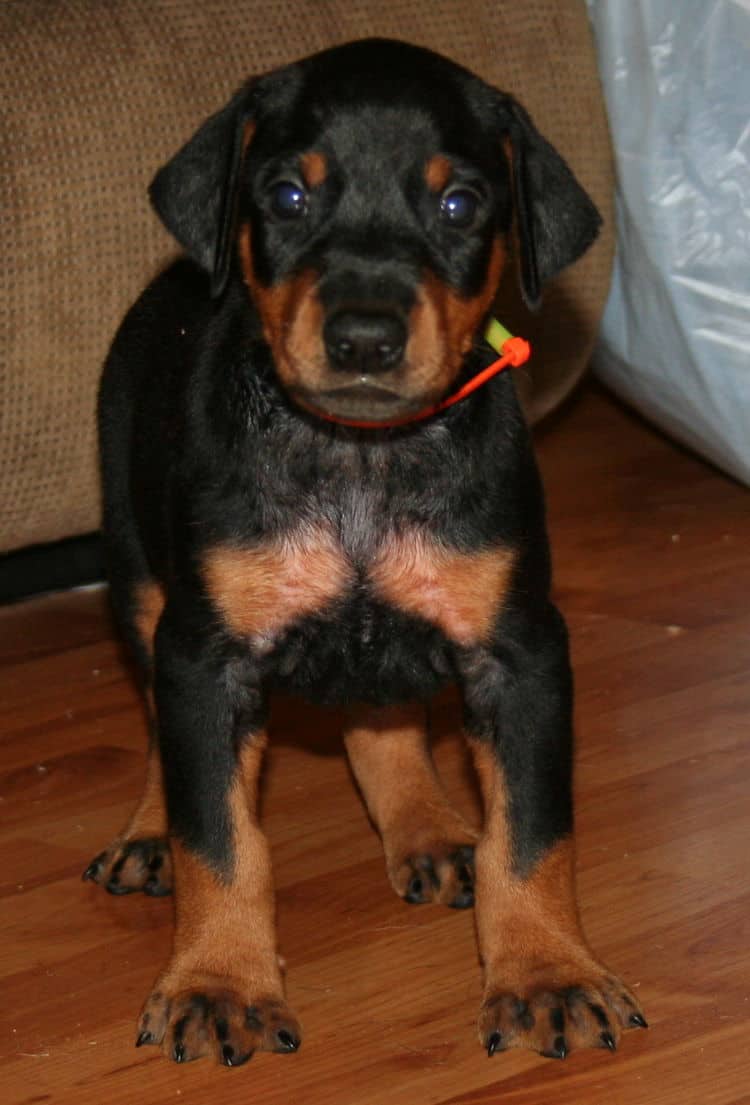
(429, 848)
(544, 989)
(222, 991)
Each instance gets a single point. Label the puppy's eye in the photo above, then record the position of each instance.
(288, 200)
(458, 207)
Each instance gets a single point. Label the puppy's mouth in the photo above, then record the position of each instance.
(358, 400)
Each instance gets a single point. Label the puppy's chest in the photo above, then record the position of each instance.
(262, 590)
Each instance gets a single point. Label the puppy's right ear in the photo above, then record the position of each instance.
(195, 193)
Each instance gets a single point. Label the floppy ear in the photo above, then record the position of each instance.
(195, 193)
(557, 222)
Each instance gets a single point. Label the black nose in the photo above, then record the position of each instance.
(364, 343)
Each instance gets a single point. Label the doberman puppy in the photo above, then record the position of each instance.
(346, 222)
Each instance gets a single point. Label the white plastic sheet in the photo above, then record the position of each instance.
(675, 340)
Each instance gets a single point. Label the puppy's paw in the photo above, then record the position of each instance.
(555, 1019)
(130, 865)
(441, 873)
(217, 1019)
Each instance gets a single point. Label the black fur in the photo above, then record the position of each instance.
(202, 446)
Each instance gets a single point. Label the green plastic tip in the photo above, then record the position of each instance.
(496, 335)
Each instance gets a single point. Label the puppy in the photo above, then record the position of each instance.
(280, 513)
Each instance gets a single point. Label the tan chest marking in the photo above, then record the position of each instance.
(461, 593)
(262, 589)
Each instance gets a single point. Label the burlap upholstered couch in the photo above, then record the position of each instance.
(95, 94)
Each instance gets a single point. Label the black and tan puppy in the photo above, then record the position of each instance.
(346, 221)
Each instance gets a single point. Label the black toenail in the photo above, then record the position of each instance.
(493, 1044)
(560, 1048)
(287, 1040)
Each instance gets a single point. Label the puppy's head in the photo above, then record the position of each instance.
(365, 196)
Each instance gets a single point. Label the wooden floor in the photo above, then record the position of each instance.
(653, 573)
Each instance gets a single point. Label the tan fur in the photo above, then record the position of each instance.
(532, 944)
(150, 816)
(292, 319)
(442, 325)
(248, 135)
(387, 749)
(437, 172)
(460, 316)
(225, 942)
(520, 921)
(434, 364)
(149, 603)
(462, 593)
(259, 590)
(225, 928)
(148, 823)
(314, 168)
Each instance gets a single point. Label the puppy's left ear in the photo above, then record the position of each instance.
(557, 222)
(195, 193)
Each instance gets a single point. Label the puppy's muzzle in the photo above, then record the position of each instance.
(364, 344)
